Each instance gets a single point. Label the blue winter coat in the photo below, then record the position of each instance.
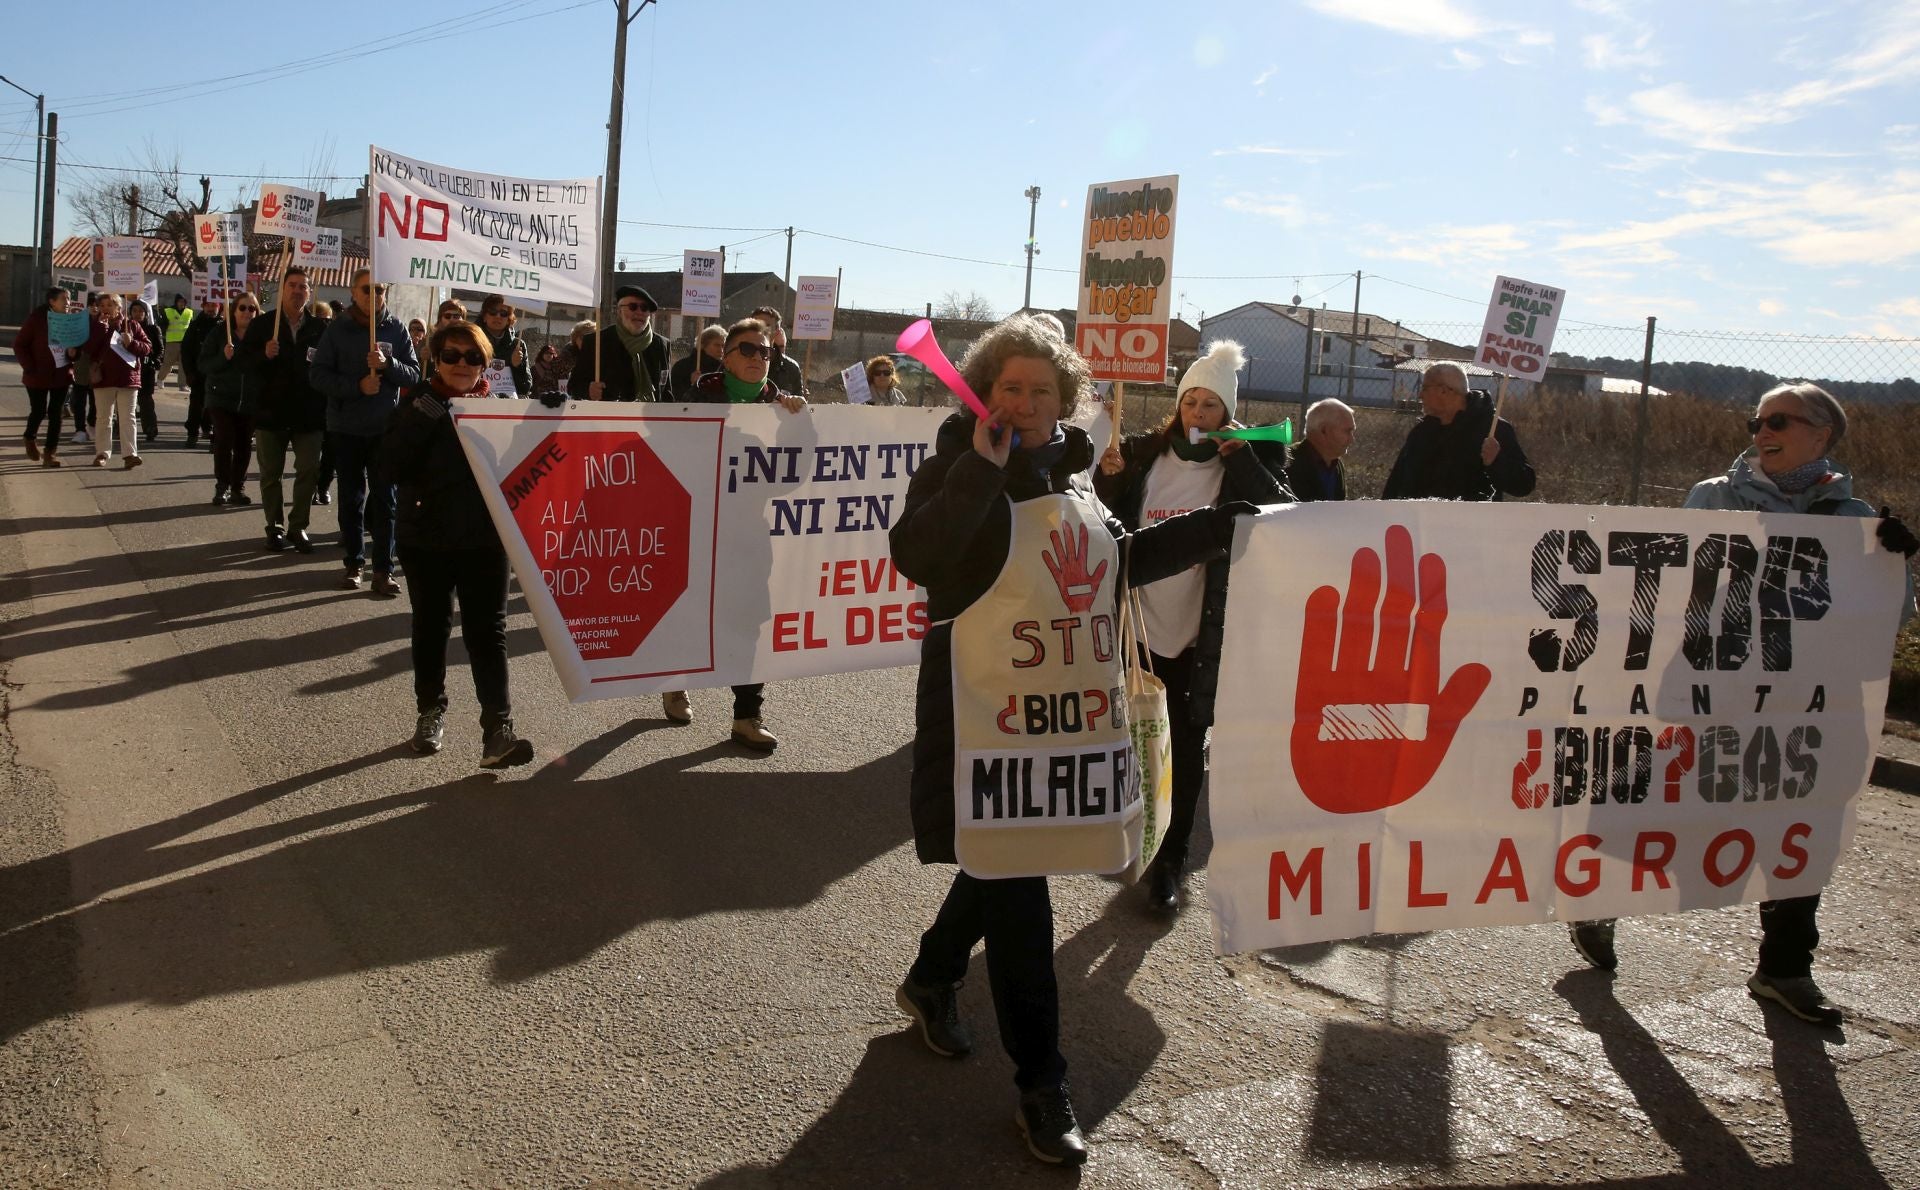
(341, 360)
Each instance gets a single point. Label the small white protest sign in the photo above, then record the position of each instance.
(700, 283)
(318, 249)
(813, 308)
(286, 211)
(1518, 334)
(854, 376)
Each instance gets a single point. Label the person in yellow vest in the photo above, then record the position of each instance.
(1021, 565)
(178, 317)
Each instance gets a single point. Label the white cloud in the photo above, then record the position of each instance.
(1448, 245)
(1771, 308)
(1260, 80)
(1604, 51)
(1288, 209)
(1439, 20)
(1459, 59)
(1904, 308)
(1604, 304)
(1292, 151)
(1888, 54)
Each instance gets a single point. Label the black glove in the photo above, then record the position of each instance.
(430, 406)
(553, 400)
(1894, 534)
(1220, 520)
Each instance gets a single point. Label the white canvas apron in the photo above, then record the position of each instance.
(1044, 779)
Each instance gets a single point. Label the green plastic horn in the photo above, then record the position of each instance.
(1281, 431)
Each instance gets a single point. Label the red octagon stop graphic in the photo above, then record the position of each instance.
(611, 529)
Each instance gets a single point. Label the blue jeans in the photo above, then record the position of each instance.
(366, 502)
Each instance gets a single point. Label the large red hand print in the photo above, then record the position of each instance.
(1068, 565)
(1370, 730)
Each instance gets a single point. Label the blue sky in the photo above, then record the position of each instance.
(1732, 165)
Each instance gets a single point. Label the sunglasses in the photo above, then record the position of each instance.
(1776, 422)
(246, 309)
(635, 308)
(883, 371)
(473, 357)
(751, 350)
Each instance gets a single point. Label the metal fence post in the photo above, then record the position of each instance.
(1640, 420)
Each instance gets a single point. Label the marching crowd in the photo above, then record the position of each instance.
(360, 403)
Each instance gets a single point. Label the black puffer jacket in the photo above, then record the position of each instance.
(952, 538)
(1442, 462)
(286, 401)
(440, 506)
(203, 324)
(1253, 474)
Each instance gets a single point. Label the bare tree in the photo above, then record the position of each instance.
(974, 307)
(153, 201)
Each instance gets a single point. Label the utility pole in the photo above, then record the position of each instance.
(42, 252)
(610, 199)
(786, 279)
(46, 196)
(1353, 337)
(133, 210)
(1033, 249)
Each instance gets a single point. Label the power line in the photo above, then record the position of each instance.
(123, 169)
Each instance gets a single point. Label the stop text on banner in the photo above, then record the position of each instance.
(1493, 714)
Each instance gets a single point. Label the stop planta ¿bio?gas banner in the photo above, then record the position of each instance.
(674, 547)
(1433, 715)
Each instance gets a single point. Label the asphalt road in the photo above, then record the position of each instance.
(247, 939)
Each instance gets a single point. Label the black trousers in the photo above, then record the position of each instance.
(1015, 917)
(478, 579)
(149, 418)
(49, 404)
(1788, 933)
(747, 700)
(197, 419)
(1189, 756)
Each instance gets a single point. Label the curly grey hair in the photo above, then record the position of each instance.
(1024, 335)
(1822, 409)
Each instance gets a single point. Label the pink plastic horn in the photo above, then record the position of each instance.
(918, 342)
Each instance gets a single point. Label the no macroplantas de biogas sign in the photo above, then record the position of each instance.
(1126, 259)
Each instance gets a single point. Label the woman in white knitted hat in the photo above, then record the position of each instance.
(1147, 479)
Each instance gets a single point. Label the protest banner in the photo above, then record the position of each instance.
(67, 330)
(522, 237)
(700, 283)
(814, 303)
(854, 378)
(669, 547)
(122, 264)
(219, 234)
(499, 377)
(319, 249)
(1518, 334)
(1126, 259)
(150, 292)
(216, 283)
(286, 211)
(1594, 712)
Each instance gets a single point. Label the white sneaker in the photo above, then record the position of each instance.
(82, 436)
(676, 705)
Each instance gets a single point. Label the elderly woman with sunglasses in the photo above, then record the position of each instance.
(1788, 469)
(450, 549)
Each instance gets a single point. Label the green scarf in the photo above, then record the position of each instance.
(740, 392)
(636, 346)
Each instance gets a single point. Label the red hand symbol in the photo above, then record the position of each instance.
(1368, 737)
(1068, 564)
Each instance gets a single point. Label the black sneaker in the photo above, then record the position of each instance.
(323, 497)
(1800, 996)
(430, 732)
(936, 1009)
(276, 538)
(1594, 941)
(1045, 1117)
(503, 749)
(239, 496)
(219, 495)
(301, 541)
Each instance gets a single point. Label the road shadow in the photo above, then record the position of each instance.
(913, 1119)
(541, 872)
(1826, 1145)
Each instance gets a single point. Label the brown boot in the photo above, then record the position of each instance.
(50, 459)
(33, 449)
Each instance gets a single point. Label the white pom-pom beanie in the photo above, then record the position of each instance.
(1218, 371)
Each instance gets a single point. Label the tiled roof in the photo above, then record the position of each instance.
(264, 255)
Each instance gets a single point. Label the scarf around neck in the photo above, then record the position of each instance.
(446, 392)
(739, 392)
(1802, 477)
